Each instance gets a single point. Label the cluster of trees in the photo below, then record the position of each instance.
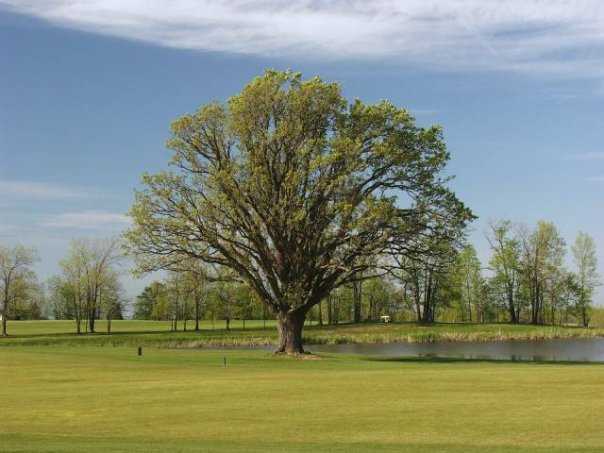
(296, 192)
(305, 198)
(186, 296)
(88, 287)
(21, 295)
(525, 280)
(530, 278)
(291, 197)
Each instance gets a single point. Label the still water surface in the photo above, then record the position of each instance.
(574, 350)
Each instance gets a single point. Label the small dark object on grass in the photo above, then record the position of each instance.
(224, 361)
(140, 351)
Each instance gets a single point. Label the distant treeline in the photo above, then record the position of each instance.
(525, 280)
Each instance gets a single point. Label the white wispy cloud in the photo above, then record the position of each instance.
(555, 36)
(87, 220)
(596, 179)
(38, 190)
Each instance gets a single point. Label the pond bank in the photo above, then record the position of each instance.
(363, 333)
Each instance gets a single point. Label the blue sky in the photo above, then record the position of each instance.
(88, 90)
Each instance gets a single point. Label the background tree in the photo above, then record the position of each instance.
(86, 271)
(15, 274)
(69, 287)
(60, 295)
(357, 294)
(98, 257)
(381, 298)
(111, 299)
(294, 190)
(175, 295)
(505, 264)
(426, 277)
(586, 262)
(466, 279)
(29, 300)
(226, 296)
(145, 306)
(196, 276)
(555, 293)
(543, 254)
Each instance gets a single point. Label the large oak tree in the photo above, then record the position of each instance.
(296, 191)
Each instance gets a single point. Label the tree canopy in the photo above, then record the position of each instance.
(297, 191)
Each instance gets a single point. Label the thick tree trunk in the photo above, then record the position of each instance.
(290, 325)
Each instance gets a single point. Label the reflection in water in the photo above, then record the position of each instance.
(573, 350)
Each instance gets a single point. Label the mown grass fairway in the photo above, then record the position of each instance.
(98, 399)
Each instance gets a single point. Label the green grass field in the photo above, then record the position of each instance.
(30, 328)
(92, 399)
(101, 397)
(157, 333)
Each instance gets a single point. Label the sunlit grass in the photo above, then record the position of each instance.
(109, 399)
(157, 333)
(27, 328)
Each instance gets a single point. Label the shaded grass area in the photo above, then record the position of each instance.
(157, 333)
(92, 399)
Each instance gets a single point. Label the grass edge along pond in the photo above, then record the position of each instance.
(157, 333)
(68, 400)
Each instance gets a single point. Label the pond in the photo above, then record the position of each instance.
(573, 350)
